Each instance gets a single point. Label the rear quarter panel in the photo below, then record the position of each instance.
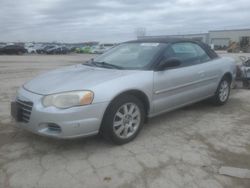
(226, 65)
(215, 70)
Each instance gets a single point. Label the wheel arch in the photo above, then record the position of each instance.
(134, 92)
(106, 130)
(229, 76)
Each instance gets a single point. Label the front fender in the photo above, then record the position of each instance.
(139, 80)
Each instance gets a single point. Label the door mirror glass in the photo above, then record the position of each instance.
(169, 63)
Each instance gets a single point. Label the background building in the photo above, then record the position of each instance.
(224, 38)
(220, 39)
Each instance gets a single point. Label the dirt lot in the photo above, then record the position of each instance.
(184, 148)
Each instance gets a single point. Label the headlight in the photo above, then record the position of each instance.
(68, 99)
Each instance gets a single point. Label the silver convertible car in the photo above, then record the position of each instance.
(114, 93)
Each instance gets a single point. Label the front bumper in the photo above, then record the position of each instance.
(61, 123)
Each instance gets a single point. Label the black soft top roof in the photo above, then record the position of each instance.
(163, 40)
(166, 40)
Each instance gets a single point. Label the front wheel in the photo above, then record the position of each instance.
(123, 119)
(223, 91)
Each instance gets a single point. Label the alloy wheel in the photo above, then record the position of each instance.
(224, 91)
(127, 120)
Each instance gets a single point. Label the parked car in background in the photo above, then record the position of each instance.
(43, 49)
(85, 50)
(13, 49)
(245, 73)
(58, 50)
(117, 91)
(31, 49)
(35, 47)
(102, 48)
(1, 48)
(99, 50)
(72, 49)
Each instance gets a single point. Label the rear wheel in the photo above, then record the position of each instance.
(123, 119)
(245, 83)
(223, 91)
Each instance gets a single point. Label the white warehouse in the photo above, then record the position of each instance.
(221, 39)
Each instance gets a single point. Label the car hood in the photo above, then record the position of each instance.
(77, 77)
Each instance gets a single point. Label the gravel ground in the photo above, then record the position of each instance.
(183, 148)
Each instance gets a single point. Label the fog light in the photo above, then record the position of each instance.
(54, 127)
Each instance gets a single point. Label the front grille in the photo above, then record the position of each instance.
(25, 108)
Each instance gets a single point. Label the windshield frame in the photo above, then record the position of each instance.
(151, 63)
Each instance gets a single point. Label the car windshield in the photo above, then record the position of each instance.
(129, 55)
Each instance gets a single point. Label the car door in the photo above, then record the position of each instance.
(178, 86)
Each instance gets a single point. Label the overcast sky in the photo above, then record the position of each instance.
(115, 20)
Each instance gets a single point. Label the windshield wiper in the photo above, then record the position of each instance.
(107, 65)
(92, 62)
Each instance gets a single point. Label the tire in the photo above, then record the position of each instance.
(121, 127)
(245, 83)
(223, 91)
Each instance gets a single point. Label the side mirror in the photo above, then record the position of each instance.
(169, 63)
